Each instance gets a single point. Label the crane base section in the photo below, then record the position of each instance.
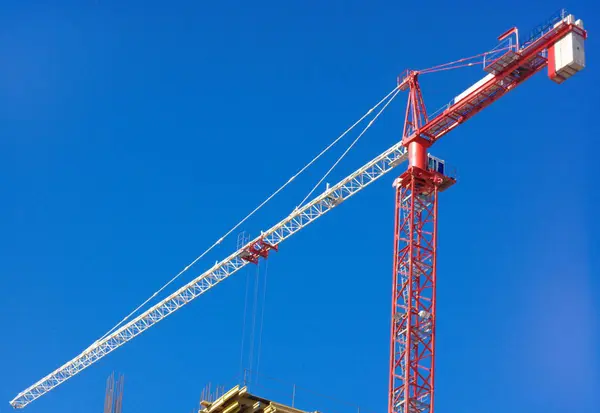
(240, 400)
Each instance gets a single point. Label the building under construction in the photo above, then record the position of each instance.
(239, 400)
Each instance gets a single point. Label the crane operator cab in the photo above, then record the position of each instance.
(435, 164)
(438, 166)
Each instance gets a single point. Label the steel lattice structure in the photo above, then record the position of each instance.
(297, 220)
(413, 314)
(412, 338)
(412, 335)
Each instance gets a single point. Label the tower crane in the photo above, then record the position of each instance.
(558, 44)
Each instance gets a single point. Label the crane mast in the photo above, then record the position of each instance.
(412, 338)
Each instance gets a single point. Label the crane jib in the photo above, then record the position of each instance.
(293, 223)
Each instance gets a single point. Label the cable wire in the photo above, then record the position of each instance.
(349, 147)
(262, 318)
(236, 226)
(254, 311)
(444, 66)
(244, 324)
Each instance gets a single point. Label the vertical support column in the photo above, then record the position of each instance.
(413, 301)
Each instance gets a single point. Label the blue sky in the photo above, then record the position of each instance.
(135, 133)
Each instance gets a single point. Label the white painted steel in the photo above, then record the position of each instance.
(473, 87)
(297, 220)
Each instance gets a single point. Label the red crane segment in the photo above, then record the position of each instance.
(256, 250)
(413, 304)
(506, 72)
(412, 332)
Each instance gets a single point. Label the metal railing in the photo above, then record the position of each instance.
(544, 27)
(505, 46)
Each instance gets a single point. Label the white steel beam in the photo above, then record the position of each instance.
(297, 220)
